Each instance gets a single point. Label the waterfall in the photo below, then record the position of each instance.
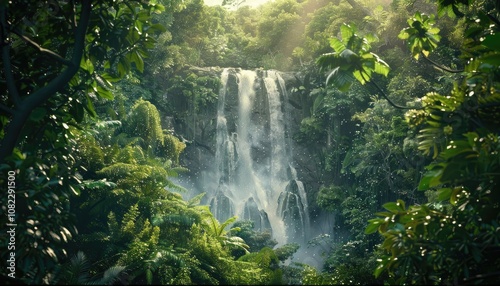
(255, 179)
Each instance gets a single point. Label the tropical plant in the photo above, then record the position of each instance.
(79, 39)
(422, 36)
(351, 59)
(60, 58)
(77, 272)
(452, 238)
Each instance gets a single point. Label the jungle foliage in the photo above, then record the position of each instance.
(98, 100)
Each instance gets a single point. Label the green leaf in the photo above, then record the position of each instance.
(381, 67)
(157, 27)
(393, 207)
(137, 59)
(404, 34)
(444, 194)
(337, 45)
(318, 102)
(454, 194)
(339, 79)
(158, 8)
(491, 58)
(196, 200)
(90, 107)
(373, 225)
(430, 179)
(38, 114)
(492, 42)
(87, 65)
(363, 78)
(123, 66)
(401, 205)
(476, 254)
(346, 31)
(74, 190)
(78, 112)
(104, 93)
(349, 56)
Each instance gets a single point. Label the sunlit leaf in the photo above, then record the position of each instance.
(373, 226)
(444, 194)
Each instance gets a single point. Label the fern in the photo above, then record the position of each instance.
(109, 277)
(77, 270)
(123, 139)
(128, 222)
(184, 221)
(108, 124)
(195, 200)
(99, 184)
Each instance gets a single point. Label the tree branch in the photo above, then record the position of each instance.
(440, 66)
(42, 50)
(43, 94)
(5, 45)
(386, 97)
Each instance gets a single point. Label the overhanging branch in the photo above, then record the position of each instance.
(42, 50)
(387, 98)
(43, 94)
(440, 66)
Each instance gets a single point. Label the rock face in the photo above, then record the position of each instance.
(246, 166)
(293, 208)
(260, 218)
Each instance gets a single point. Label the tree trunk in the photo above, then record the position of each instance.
(23, 109)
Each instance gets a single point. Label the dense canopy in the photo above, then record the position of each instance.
(107, 106)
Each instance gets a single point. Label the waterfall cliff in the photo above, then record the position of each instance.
(252, 165)
(242, 156)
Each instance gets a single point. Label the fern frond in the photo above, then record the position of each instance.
(178, 219)
(196, 200)
(110, 276)
(108, 124)
(77, 271)
(99, 184)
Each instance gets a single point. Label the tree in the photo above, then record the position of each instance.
(352, 58)
(453, 238)
(58, 58)
(56, 53)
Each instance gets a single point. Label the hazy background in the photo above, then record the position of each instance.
(252, 3)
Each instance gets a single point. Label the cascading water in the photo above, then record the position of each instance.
(255, 178)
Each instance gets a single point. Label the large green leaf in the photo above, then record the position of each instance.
(337, 45)
(339, 79)
(351, 60)
(346, 31)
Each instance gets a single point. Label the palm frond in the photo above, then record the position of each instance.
(340, 79)
(77, 271)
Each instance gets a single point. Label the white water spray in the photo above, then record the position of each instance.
(253, 157)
